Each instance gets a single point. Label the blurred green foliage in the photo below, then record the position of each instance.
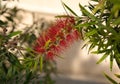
(19, 64)
(100, 27)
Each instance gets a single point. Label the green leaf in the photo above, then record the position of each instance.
(117, 21)
(101, 51)
(28, 77)
(85, 12)
(92, 32)
(102, 58)
(99, 6)
(69, 9)
(59, 16)
(41, 63)
(14, 34)
(111, 61)
(91, 47)
(35, 65)
(86, 24)
(13, 59)
(28, 49)
(47, 44)
(91, 7)
(10, 72)
(110, 79)
(118, 76)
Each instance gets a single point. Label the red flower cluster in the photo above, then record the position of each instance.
(56, 38)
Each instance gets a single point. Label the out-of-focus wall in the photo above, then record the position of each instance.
(51, 6)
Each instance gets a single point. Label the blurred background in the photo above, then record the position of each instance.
(78, 66)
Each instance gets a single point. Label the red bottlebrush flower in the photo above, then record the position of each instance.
(69, 38)
(53, 31)
(40, 41)
(69, 29)
(61, 35)
(46, 38)
(57, 37)
(76, 34)
(63, 43)
(70, 20)
(60, 23)
(55, 48)
(39, 50)
(49, 55)
(58, 49)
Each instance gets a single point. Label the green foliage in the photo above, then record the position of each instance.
(19, 63)
(110, 79)
(100, 27)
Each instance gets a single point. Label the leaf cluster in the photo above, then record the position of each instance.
(100, 27)
(19, 64)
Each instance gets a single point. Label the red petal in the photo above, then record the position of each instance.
(40, 41)
(50, 55)
(76, 34)
(63, 43)
(39, 50)
(69, 38)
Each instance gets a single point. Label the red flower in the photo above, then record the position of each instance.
(60, 23)
(63, 43)
(70, 20)
(69, 29)
(57, 37)
(53, 31)
(61, 35)
(69, 38)
(75, 34)
(55, 48)
(39, 50)
(40, 41)
(50, 55)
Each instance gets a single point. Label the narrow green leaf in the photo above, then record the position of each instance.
(9, 73)
(102, 58)
(59, 16)
(118, 76)
(69, 9)
(91, 47)
(85, 12)
(92, 32)
(117, 21)
(14, 34)
(86, 24)
(28, 77)
(99, 6)
(47, 44)
(84, 46)
(41, 63)
(111, 62)
(110, 79)
(13, 59)
(91, 7)
(28, 49)
(35, 65)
